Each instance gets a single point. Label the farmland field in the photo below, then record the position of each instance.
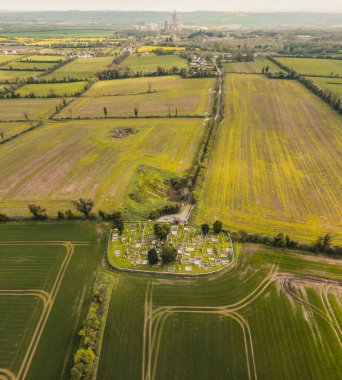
(42, 274)
(9, 76)
(81, 68)
(15, 109)
(334, 85)
(23, 65)
(12, 129)
(47, 89)
(7, 58)
(232, 325)
(250, 67)
(188, 96)
(276, 161)
(150, 62)
(311, 66)
(63, 161)
(44, 58)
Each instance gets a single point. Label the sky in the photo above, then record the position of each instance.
(180, 5)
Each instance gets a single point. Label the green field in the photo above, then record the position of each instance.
(242, 324)
(333, 85)
(12, 129)
(250, 67)
(312, 66)
(22, 65)
(44, 58)
(188, 96)
(4, 58)
(16, 109)
(60, 162)
(8, 76)
(275, 164)
(44, 276)
(150, 62)
(49, 89)
(81, 68)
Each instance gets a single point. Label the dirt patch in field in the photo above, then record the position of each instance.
(122, 133)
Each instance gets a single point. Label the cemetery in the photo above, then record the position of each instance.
(196, 252)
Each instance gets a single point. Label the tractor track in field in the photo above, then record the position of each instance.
(288, 281)
(156, 318)
(48, 301)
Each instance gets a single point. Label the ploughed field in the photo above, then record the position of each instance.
(276, 161)
(159, 96)
(46, 275)
(62, 161)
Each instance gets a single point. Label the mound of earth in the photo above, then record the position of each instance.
(122, 133)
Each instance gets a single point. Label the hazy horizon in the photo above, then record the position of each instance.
(199, 5)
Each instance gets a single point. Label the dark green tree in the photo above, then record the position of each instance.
(84, 206)
(161, 230)
(37, 212)
(168, 253)
(205, 229)
(152, 256)
(217, 226)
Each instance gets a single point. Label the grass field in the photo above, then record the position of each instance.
(4, 58)
(46, 89)
(276, 161)
(44, 276)
(250, 67)
(231, 326)
(150, 48)
(188, 96)
(334, 85)
(12, 129)
(150, 62)
(310, 66)
(63, 161)
(82, 68)
(8, 76)
(22, 65)
(44, 58)
(15, 109)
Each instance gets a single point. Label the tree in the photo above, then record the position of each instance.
(117, 221)
(161, 230)
(37, 212)
(2, 136)
(136, 111)
(217, 226)
(84, 206)
(279, 240)
(152, 256)
(324, 242)
(4, 218)
(205, 228)
(105, 111)
(169, 253)
(149, 87)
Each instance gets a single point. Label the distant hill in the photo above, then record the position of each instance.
(204, 18)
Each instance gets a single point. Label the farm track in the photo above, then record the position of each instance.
(48, 300)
